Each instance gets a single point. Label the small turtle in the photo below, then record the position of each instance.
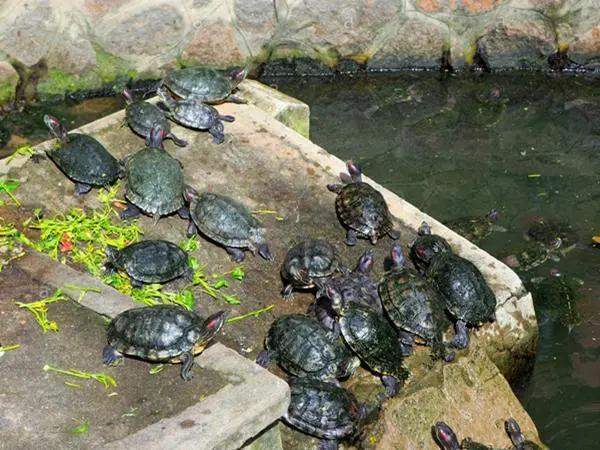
(428, 245)
(308, 264)
(468, 297)
(82, 158)
(375, 342)
(361, 208)
(476, 228)
(152, 261)
(556, 298)
(323, 410)
(414, 305)
(353, 287)
(552, 234)
(517, 438)
(205, 84)
(141, 116)
(303, 348)
(193, 114)
(161, 333)
(154, 180)
(226, 222)
(533, 254)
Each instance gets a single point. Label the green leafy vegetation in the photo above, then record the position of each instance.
(7, 186)
(8, 348)
(82, 428)
(23, 150)
(105, 380)
(256, 313)
(39, 310)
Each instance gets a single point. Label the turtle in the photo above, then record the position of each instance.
(323, 410)
(554, 235)
(154, 180)
(141, 116)
(428, 244)
(205, 84)
(352, 287)
(414, 305)
(193, 114)
(373, 339)
(361, 208)
(517, 438)
(83, 159)
(228, 223)
(161, 333)
(308, 264)
(556, 297)
(532, 254)
(303, 348)
(469, 299)
(476, 228)
(151, 261)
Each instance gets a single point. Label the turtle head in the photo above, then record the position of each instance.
(166, 98)
(238, 75)
(424, 229)
(514, 432)
(127, 96)
(112, 255)
(156, 137)
(398, 259)
(445, 437)
(190, 194)
(493, 215)
(263, 250)
(211, 326)
(335, 297)
(55, 127)
(365, 263)
(355, 171)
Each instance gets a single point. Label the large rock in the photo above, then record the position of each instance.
(214, 44)
(9, 78)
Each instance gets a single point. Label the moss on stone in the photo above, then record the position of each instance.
(7, 92)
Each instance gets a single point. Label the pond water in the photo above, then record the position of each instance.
(525, 144)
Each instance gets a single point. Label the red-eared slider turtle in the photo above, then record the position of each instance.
(303, 348)
(517, 438)
(414, 305)
(552, 234)
(308, 264)
(205, 84)
(228, 223)
(196, 115)
(82, 158)
(532, 254)
(352, 287)
(141, 116)
(361, 208)
(154, 180)
(468, 297)
(476, 228)
(556, 297)
(375, 342)
(161, 333)
(151, 261)
(323, 410)
(425, 246)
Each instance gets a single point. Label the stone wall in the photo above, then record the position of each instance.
(75, 44)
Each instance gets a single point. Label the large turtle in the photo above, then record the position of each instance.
(556, 297)
(154, 180)
(414, 305)
(303, 348)
(141, 116)
(349, 287)
(361, 208)
(152, 261)
(193, 114)
(375, 342)
(161, 333)
(205, 84)
(228, 223)
(476, 228)
(307, 265)
(323, 410)
(82, 158)
(428, 245)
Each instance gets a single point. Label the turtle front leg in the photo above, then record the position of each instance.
(394, 234)
(191, 229)
(184, 213)
(406, 341)
(392, 385)
(263, 359)
(227, 118)
(328, 444)
(236, 99)
(110, 356)
(287, 292)
(130, 212)
(187, 360)
(236, 254)
(461, 335)
(351, 238)
(178, 142)
(82, 188)
(217, 133)
(136, 283)
(337, 188)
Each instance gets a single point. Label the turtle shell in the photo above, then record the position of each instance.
(154, 181)
(471, 228)
(156, 333)
(85, 160)
(356, 287)
(192, 114)
(142, 116)
(226, 221)
(322, 409)
(413, 304)
(373, 340)
(468, 297)
(153, 261)
(425, 247)
(199, 83)
(302, 347)
(362, 208)
(315, 258)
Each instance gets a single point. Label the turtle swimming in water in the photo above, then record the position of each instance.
(152, 261)
(361, 208)
(323, 410)
(205, 84)
(167, 333)
(141, 116)
(199, 116)
(476, 228)
(532, 254)
(228, 223)
(82, 158)
(556, 297)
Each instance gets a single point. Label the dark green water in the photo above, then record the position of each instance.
(526, 144)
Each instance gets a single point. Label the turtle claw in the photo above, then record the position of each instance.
(178, 142)
(351, 238)
(461, 336)
(110, 356)
(236, 254)
(130, 212)
(328, 444)
(394, 234)
(227, 118)
(82, 188)
(287, 292)
(391, 384)
(263, 359)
